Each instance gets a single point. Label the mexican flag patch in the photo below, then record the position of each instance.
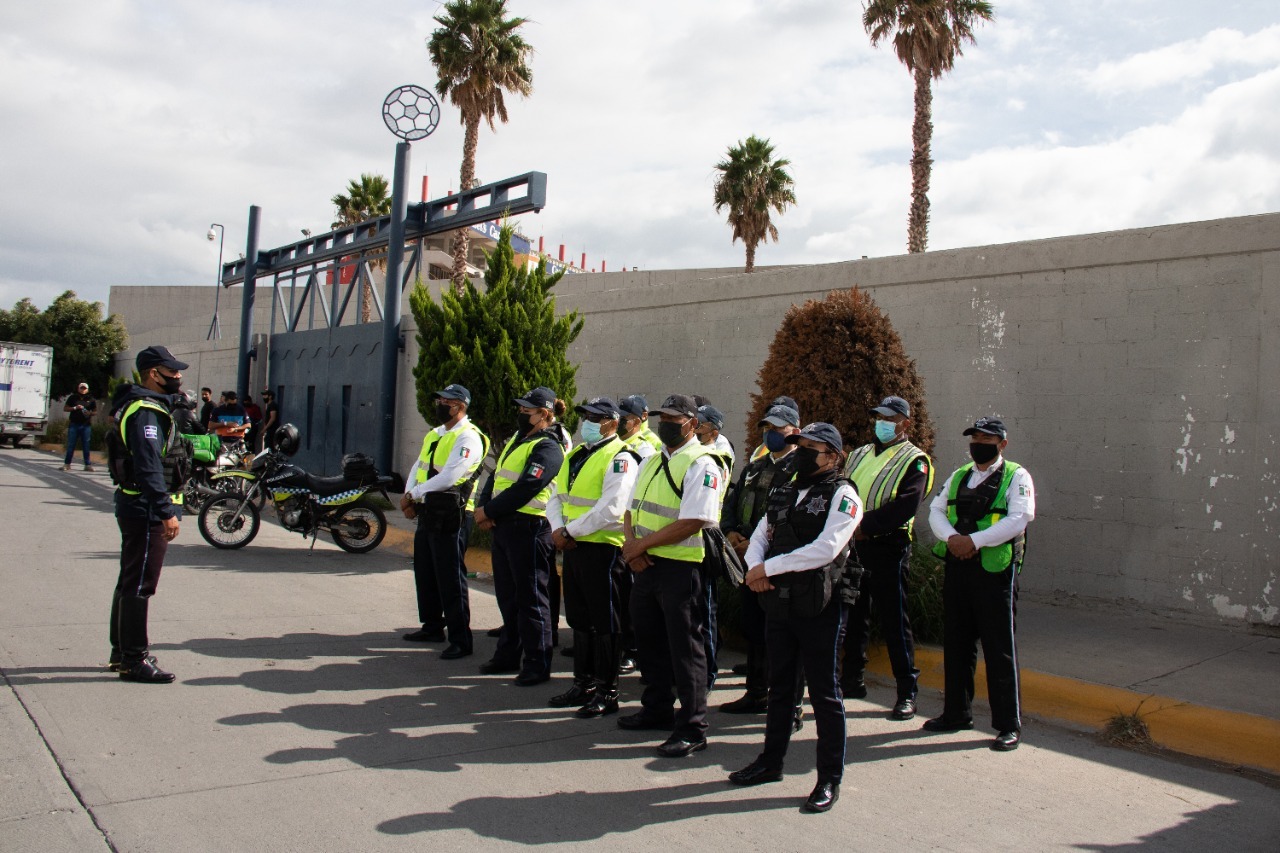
(711, 481)
(619, 466)
(846, 505)
(536, 470)
(464, 452)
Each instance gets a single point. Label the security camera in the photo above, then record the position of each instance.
(211, 235)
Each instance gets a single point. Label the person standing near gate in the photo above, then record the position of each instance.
(585, 513)
(149, 465)
(798, 556)
(676, 494)
(893, 478)
(440, 491)
(513, 505)
(80, 408)
(980, 517)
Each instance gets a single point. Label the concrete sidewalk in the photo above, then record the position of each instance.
(300, 721)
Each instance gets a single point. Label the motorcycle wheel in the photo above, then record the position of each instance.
(359, 528)
(220, 527)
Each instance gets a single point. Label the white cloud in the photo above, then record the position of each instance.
(1187, 60)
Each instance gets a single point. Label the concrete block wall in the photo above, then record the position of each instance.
(1135, 370)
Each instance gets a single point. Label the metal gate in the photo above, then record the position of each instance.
(326, 381)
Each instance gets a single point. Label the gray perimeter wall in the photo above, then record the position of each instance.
(1136, 370)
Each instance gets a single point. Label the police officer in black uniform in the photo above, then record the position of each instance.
(800, 562)
(149, 462)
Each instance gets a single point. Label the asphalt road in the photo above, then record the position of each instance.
(300, 721)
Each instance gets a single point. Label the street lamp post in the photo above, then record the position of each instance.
(215, 328)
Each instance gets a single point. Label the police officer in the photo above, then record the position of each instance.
(743, 509)
(710, 422)
(149, 463)
(798, 558)
(893, 477)
(761, 449)
(980, 517)
(676, 494)
(585, 512)
(439, 494)
(513, 505)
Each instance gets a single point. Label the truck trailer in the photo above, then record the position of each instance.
(25, 373)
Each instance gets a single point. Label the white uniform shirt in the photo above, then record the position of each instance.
(722, 445)
(835, 535)
(614, 499)
(468, 452)
(702, 484)
(1022, 509)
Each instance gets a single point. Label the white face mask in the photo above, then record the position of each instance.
(886, 431)
(591, 432)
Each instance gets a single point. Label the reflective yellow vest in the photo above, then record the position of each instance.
(655, 504)
(995, 558)
(436, 450)
(877, 476)
(577, 499)
(511, 464)
(647, 436)
(130, 410)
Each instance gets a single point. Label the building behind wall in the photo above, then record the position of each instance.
(1134, 368)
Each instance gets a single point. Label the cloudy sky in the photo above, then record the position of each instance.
(130, 125)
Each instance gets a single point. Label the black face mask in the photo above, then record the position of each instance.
(171, 384)
(525, 420)
(983, 453)
(671, 434)
(806, 461)
(444, 412)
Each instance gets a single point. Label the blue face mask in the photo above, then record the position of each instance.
(590, 432)
(775, 441)
(886, 431)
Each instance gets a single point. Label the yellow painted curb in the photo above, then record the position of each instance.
(1228, 736)
(401, 541)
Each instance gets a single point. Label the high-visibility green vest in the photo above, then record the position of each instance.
(725, 461)
(511, 464)
(647, 436)
(170, 434)
(436, 450)
(655, 504)
(877, 476)
(577, 498)
(995, 558)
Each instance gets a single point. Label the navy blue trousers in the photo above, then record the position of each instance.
(886, 564)
(441, 578)
(523, 556)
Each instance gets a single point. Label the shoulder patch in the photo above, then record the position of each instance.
(464, 452)
(619, 466)
(151, 431)
(922, 465)
(536, 470)
(711, 481)
(846, 505)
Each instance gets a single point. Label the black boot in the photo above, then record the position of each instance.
(756, 699)
(583, 688)
(608, 653)
(135, 663)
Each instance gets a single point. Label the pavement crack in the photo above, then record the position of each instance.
(1175, 670)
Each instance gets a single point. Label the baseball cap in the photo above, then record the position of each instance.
(157, 356)
(634, 405)
(455, 392)
(599, 406)
(890, 406)
(789, 402)
(819, 431)
(780, 416)
(709, 414)
(539, 398)
(990, 426)
(678, 404)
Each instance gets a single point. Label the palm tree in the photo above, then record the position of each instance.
(927, 37)
(478, 54)
(367, 198)
(750, 183)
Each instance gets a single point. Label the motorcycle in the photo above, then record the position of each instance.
(303, 502)
(212, 457)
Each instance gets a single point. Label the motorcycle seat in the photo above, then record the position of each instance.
(326, 486)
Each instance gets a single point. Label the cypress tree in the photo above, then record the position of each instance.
(838, 358)
(498, 343)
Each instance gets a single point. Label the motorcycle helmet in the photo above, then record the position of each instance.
(286, 440)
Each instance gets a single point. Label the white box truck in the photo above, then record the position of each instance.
(25, 372)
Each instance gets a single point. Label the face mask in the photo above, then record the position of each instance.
(983, 453)
(775, 441)
(525, 420)
(590, 432)
(806, 461)
(444, 412)
(886, 431)
(671, 434)
(171, 384)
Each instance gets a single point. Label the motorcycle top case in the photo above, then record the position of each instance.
(360, 468)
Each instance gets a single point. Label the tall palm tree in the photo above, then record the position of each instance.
(751, 182)
(927, 37)
(478, 54)
(367, 198)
